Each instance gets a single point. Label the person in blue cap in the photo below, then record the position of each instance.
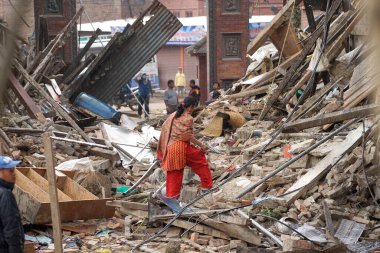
(11, 230)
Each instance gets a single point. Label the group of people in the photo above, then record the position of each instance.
(177, 148)
(175, 90)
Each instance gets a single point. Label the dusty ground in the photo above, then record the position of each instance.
(156, 105)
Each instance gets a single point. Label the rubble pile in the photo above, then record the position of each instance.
(292, 148)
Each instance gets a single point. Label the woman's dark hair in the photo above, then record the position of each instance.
(187, 102)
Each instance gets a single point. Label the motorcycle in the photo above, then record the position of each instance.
(127, 97)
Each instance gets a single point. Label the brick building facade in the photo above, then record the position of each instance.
(228, 37)
(186, 8)
(264, 7)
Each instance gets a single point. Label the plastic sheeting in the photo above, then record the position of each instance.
(131, 141)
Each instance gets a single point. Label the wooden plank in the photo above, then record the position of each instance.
(81, 54)
(55, 105)
(30, 187)
(280, 18)
(200, 229)
(286, 40)
(248, 93)
(76, 210)
(48, 53)
(306, 76)
(310, 15)
(236, 231)
(44, 185)
(32, 108)
(290, 76)
(328, 220)
(335, 49)
(55, 213)
(314, 99)
(76, 191)
(332, 117)
(320, 169)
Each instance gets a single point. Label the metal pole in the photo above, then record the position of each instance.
(151, 168)
(293, 160)
(158, 190)
(261, 228)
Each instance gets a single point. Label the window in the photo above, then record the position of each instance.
(189, 14)
(176, 13)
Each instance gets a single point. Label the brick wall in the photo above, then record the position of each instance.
(229, 68)
(196, 7)
(101, 10)
(265, 7)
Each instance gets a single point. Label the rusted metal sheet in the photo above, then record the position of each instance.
(127, 53)
(33, 109)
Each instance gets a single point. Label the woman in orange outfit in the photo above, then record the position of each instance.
(176, 150)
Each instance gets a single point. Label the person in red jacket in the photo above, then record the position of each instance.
(176, 149)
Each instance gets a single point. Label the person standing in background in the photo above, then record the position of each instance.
(180, 82)
(170, 98)
(145, 90)
(214, 94)
(11, 230)
(195, 92)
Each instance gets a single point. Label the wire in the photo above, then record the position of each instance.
(93, 28)
(276, 134)
(285, 224)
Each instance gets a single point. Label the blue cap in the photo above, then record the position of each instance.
(7, 163)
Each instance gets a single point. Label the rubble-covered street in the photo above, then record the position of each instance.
(293, 144)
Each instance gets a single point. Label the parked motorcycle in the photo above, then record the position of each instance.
(127, 97)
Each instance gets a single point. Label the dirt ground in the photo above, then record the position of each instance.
(156, 105)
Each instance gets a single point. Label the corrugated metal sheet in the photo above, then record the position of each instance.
(127, 53)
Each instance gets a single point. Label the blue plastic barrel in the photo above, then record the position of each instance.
(97, 107)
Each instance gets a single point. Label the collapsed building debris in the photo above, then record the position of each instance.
(292, 147)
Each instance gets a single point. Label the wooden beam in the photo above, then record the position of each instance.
(200, 229)
(290, 76)
(332, 117)
(268, 76)
(248, 93)
(55, 213)
(90, 144)
(236, 231)
(32, 108)
(56, 106)
(283, 16)
(81, 54)
(47, 54)
(306, 76)
(310, 15)
(285, 40)
(320, 169)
